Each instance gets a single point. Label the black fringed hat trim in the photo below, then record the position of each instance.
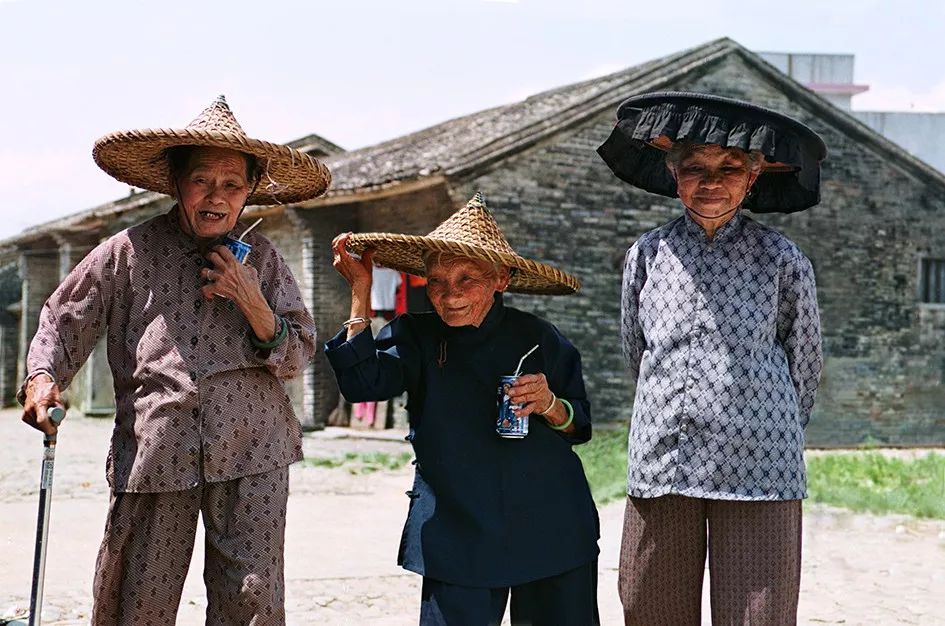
(790, 179)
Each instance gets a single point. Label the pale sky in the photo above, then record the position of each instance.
(360, 72)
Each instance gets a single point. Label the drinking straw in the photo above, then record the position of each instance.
(519, 368)
(252, 226)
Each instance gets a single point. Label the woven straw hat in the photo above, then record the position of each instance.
(470, 232)
(138, 157)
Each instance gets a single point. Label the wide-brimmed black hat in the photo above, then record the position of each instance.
(649, 124)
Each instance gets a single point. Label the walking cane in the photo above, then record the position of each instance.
(56, 415)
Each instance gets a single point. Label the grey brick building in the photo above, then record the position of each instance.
(877, 240)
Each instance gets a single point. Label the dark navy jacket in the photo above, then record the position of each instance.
(485, 511)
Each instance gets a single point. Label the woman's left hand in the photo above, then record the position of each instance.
(231, 279)
(532, 391)
(234, 281)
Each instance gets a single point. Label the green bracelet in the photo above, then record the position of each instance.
(279, 338)
(570, 416)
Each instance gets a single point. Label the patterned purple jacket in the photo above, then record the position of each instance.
(195, 400)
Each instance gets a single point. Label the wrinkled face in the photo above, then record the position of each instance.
(462, 289)
(712, 181)
(211, 192)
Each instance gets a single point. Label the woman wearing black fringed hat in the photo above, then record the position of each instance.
(500, 506)
(721, 332)
(200, 344)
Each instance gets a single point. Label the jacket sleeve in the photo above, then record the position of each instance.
(290, 358)
(798, 328)
(631, 334)
(566, 380)
(74, 317)
(369, 369)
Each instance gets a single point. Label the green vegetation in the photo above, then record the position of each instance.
(605, 464)
(870, 481)
(861, 481)
(363, 462)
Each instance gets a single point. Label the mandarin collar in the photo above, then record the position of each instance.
(728, 230)
(477, 333)
(188, 243)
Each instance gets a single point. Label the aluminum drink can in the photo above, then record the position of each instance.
(508, 424)
(240, 249)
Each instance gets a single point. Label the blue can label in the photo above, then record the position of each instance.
(508, 424)
(240, 249)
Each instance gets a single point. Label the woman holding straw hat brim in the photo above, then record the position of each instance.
(489, 517)
(199, 346)
(721, 333)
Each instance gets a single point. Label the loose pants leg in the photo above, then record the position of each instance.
(662, 560)
(244, 520)
(754, 561)
(443, 604)
(568, 599)
(149, 541)
(143, 559)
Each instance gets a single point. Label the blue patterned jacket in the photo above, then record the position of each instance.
(723, 338)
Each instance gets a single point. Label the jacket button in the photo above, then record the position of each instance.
(193, 376)
(193, 341)
(196, 412)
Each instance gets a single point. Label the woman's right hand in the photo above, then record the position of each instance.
(358, 272)
(41, 393)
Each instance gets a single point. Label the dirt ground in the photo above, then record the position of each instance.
(343, 530)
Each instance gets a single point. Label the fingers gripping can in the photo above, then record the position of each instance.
(240, 249)
(508, 424)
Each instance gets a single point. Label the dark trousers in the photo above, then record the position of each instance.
(568, 599)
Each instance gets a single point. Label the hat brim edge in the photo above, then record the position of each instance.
(405, 253)
(137, 158)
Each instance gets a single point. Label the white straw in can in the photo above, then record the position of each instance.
(522, 360)
(252, 226)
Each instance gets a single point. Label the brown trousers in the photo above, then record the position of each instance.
(754, 561)
(149, 540)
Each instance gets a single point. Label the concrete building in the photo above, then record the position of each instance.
(877, 241)
(831, 77)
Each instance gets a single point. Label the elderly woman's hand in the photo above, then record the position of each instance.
(532, 391)
(357, 272)
(41, 393)
(234, 281)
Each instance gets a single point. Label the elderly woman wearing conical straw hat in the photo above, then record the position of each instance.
(721, 332)
(199, 344)
(500, 502)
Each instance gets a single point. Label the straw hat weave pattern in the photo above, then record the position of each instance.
(470, 232)
(138, 157)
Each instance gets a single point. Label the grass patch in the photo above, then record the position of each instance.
(605, 464)
(869, 481)
(865, 481)
(363, 462)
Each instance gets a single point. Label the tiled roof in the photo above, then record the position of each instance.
(464, 143)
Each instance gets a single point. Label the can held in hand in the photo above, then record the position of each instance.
(240, 249)
(508, 424)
